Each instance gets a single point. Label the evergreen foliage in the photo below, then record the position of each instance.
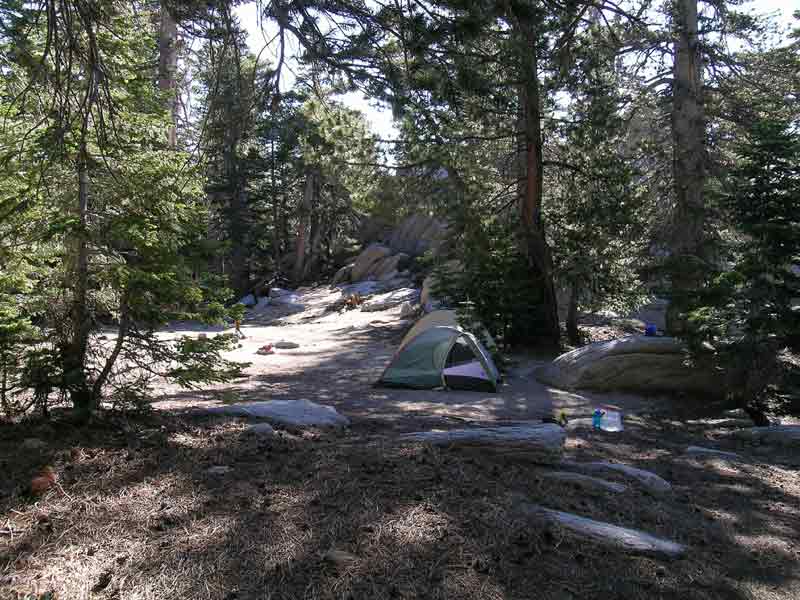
(748, 317)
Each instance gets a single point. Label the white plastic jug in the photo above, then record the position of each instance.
(611, 420)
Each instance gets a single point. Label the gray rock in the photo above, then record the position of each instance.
(390, 300)
(408, 310)
(417, 234)
(387, 267)
(586, 481)
(248, 300)
(284, 345)
(777, 435)
(367, 260)
(633, 363)
(651, 482)
(297, 413)
(699, 451)
(342, 275)
(628, 540)
(261, 430)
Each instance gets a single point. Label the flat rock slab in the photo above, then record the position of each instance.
(651, 482)
(297, 413)
(586, 481)
(545, 439)
(284, 345)
(699, 451)
(775, 435)
(632, 541)
(391, 299)
(633, 363)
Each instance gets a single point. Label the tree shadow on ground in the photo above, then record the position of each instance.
(355, 515)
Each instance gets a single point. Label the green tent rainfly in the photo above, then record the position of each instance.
(442, 356)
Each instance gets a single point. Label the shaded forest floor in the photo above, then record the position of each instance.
(140, 512)
(175, 505)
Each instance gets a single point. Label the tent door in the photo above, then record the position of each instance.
(464, 370)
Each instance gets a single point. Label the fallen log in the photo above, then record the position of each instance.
(699, 451)
(586, 481)
(651, 482)
(628, 540)
(544, 440)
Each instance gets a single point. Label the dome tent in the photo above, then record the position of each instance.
(441, 355)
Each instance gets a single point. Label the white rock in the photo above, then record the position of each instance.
(390, 300)
(623, 538)
(298, 413)
(652, 483)
(278, 292)
(586, 481)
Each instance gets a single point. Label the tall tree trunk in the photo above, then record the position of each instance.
(276, 230)
(573, 333)
(317, 230)
(302, 228)
(688, 164)
(168, 68)
(75, 350)
(239, 227)
(531, 178)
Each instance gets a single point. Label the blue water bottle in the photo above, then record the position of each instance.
(597, 418)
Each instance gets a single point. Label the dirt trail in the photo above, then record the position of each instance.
(341, 355)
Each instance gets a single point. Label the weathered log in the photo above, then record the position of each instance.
(651, 482)
(544, 440)
(632, 541)
(699, 451)
(586, 481)
(775, 435)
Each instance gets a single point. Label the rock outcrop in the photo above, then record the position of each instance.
(367, 260)
(635, 363)
(385, 260)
